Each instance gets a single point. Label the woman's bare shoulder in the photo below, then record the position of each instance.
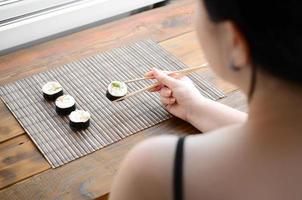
(218, 163)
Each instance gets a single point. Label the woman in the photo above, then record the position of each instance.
(257, 46)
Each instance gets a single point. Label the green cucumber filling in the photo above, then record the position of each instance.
(116, 85)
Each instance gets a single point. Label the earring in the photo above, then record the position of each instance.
(234, 67)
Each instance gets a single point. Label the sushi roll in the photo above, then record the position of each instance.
(52, 90)
(65, 105)
(79, 119)
(116, 90)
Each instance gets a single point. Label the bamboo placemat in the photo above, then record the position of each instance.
(87, 80)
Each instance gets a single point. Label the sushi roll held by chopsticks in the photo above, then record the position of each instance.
(79, 119)
(65, 105)
(52, 90)
(116, 90)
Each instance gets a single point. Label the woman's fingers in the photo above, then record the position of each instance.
(167, 101)
(156, 89)
(167, 78)
(149, 75)
(165, 92)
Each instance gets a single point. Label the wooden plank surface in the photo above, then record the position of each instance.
(192, 54)
(19, 159)
(91, 176)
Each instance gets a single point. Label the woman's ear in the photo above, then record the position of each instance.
(239, 50)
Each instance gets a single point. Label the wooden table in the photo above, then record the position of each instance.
(24, 173)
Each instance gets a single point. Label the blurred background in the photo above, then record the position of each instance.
(27, 22)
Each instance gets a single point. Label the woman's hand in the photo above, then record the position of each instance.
(179, 96)
(182, 99)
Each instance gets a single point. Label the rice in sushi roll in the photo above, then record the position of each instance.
(116, 90)
(79, 119)
(65, 105)
(52, 90)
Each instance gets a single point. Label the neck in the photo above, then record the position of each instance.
(276, 104)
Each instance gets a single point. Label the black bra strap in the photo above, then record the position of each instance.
(178, 170)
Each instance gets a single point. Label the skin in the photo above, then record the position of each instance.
(238, 157)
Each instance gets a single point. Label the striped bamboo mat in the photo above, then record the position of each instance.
(86, 80)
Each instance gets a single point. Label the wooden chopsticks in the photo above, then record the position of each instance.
(180, 73)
